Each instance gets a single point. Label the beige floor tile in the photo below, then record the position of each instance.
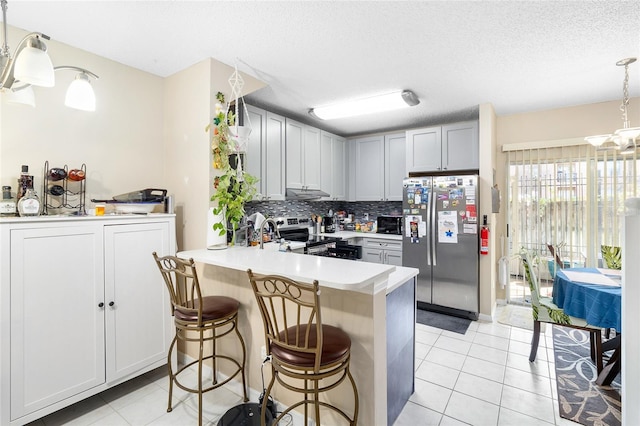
(453, 345)
(531, 404)
(446, 358)
(530, 382)
(485, 369)
(496, 356)
(479, 387)
(438, 374)
(430, 395)
(414, 413)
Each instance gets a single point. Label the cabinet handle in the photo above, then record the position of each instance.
(101, 305)
(111, 303)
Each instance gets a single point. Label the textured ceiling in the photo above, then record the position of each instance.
(520, 56)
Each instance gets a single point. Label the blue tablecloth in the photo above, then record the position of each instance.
(600, 305)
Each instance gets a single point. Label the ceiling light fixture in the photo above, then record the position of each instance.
(623, 139)
(31, 66)
(374, 104)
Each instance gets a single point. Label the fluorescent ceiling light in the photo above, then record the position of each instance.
(371, 105)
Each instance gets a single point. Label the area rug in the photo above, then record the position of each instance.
(517, 316)
(442, 321)
(579, 398)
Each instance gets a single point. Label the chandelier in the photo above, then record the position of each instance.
(31, 66)
(623, 139)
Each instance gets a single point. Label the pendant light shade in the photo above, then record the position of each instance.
(80, 94)
(623, 139)
(23, 96)
(33, 65)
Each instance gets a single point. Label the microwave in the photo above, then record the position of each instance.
(390, 225)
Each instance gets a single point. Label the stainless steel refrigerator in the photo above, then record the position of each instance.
(441, 239)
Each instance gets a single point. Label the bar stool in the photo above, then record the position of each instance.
(199, 319)
(303, 351)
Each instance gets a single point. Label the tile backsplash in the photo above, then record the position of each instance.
(305, 208)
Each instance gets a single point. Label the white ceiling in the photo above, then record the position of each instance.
(518, 55)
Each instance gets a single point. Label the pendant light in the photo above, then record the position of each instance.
(624, 139)
(31, 66)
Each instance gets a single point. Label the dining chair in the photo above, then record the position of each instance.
(307, 356)
(612, 256)
(545, 311)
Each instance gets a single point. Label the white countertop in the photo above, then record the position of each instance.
(340, 274)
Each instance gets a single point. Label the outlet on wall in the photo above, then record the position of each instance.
(263, 352)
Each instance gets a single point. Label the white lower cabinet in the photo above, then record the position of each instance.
(378, 250)
(83, 308)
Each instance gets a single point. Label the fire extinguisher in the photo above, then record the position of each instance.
(484, 237)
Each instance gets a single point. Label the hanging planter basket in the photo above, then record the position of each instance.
(241, 135)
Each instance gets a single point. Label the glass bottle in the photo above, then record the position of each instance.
(25, 181)
(8, 202)
(29, 204)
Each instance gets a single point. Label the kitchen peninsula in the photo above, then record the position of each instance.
(373, 303)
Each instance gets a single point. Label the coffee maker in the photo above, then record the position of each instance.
(329, 224)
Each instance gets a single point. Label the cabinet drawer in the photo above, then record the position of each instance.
(382, 244)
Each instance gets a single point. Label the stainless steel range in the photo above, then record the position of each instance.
(297, 229)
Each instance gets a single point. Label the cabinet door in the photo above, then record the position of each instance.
(295, 154)
(312, 157)
(424, 150)
(393, 257)
(338, 170)
(57, 326)
(369, 169)
(460, 146)
(275, 157)
(372, 255)
(326, 164)
(395, 166)
(138, 324)
(255, 159)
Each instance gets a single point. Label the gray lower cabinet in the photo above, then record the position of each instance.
(378, 250)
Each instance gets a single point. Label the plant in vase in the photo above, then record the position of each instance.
(233, 187)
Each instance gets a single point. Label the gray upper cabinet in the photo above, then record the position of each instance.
(452, 147)
(266, 153)
(303, 155)
(379, 167)
(333, 160)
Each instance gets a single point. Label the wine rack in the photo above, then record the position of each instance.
(63, 196)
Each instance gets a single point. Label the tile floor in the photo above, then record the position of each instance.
(480, 378)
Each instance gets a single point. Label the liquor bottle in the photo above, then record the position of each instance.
(25, 181)
(29, 204)
(8, 203)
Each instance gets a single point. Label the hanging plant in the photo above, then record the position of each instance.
(233, 188)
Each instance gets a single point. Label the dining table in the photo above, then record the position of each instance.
(594, 294)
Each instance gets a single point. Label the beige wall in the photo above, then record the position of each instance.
(121, 143)
(189, 99)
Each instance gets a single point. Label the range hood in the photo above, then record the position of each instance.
(304, 194)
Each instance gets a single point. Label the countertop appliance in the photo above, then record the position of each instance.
(441, 239)
(389, 225)
(329, 224)
(297, 229)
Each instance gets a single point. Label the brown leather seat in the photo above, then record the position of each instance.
(307, 356)
(335, 345)
(199, 319)
(213, 308)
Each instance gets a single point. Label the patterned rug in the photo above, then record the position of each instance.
(580, 399)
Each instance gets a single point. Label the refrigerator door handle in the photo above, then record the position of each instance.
(434, 221)
(429, 227)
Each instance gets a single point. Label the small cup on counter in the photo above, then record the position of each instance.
(100, 209)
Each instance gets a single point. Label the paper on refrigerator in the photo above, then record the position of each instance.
(448, 227)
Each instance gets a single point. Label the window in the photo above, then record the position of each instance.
(566, 198)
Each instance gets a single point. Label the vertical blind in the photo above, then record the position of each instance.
(570, 197)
